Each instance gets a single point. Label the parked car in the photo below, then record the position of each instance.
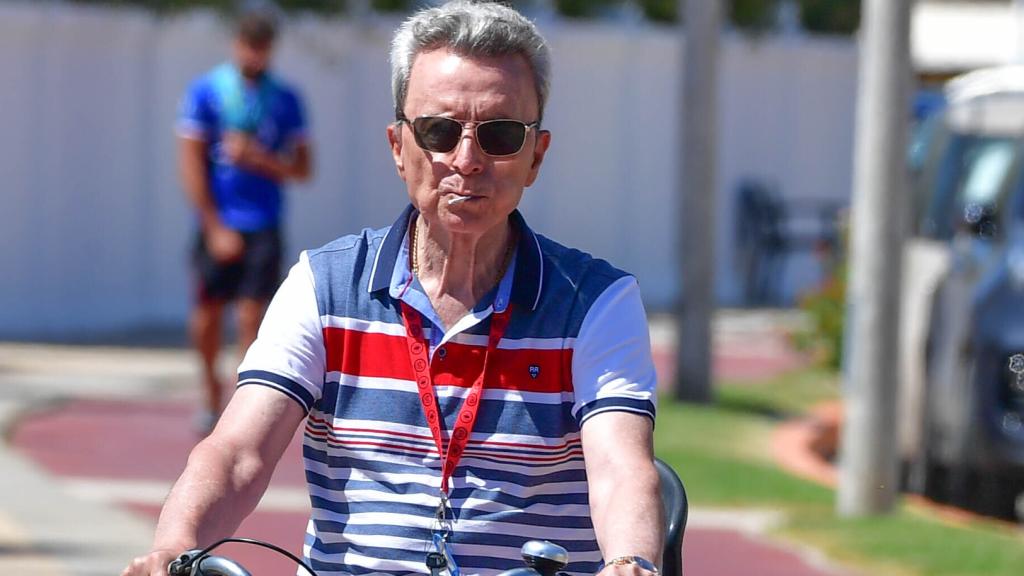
(962, 321)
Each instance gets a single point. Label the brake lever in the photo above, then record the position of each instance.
(182, 565)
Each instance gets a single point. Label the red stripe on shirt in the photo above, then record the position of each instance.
(366, 354)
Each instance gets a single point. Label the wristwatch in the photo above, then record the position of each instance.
(638, 560)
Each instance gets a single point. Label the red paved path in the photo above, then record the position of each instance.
(150, 441)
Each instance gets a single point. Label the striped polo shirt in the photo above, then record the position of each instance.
(334, 340)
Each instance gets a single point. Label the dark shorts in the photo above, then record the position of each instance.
(256, 275)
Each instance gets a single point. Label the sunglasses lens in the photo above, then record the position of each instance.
(501, 137)
(437, 134)
(496, 137)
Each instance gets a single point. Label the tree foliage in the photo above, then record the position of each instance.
(822, 16)
(753, 15)
(582, 8)
(390, 5)
(830, 16)
(660, 10)
(326, 7)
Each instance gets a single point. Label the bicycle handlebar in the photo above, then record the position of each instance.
(542, 558)
(186, 565)
(202, 563)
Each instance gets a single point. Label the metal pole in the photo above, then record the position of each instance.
(868, 466)
(697, 198)
(1018, 19)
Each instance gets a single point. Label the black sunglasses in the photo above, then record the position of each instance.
(496, 137)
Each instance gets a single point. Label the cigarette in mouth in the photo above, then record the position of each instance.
(458, 199)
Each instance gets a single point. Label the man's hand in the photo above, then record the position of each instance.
(241, 149)
(247, 153)
(152, 564)
(224, 244)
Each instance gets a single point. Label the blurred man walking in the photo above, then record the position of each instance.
(242, 136)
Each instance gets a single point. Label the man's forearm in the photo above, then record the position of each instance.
(217, 490)
(627, 513)
(295, 166)
(625, 496)
(209, 217)
(276, 168)
(195, 180)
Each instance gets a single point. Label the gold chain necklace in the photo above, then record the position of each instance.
(414, 242)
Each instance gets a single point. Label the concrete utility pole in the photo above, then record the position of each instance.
(697, 198)
(868, 467)
(1018, 17)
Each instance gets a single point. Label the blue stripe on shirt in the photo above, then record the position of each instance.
(290, 387)
(615, 404)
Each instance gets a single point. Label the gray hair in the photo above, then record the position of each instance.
(469, 28)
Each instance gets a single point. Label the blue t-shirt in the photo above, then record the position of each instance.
(268, 110)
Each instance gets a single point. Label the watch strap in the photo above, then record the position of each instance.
(629, 559)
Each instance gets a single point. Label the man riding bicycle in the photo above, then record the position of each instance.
(464, 383)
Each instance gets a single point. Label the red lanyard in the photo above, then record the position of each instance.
(470, 406)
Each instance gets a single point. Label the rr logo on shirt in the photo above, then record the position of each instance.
(534, 371)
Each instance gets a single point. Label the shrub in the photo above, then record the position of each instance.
(826, 310)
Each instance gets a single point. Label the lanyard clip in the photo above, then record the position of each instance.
(442, 509)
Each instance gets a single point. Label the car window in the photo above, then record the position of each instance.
(970, 178)
(986, 171)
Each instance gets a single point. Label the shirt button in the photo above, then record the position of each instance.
(442, 352)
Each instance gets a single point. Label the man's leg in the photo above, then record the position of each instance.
(216, 285)
(260, 280)
(261, 271)
(250, 313)
(205, 330)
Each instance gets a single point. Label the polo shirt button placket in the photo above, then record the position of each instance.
(442, 352)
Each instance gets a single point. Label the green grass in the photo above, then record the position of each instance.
(723, 456)
(722, 453)
(788, 394)
(911, 543)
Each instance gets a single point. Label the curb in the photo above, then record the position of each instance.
(806, 447)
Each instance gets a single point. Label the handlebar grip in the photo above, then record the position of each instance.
(187, 565)
(182, 565)
(201, 563)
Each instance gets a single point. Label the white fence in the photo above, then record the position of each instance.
(94, 227)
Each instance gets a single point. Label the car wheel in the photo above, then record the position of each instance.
(962, 486)
(997, 495)
(933, 475)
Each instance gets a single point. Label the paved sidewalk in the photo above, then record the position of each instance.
(44, 529)
(96, 435)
